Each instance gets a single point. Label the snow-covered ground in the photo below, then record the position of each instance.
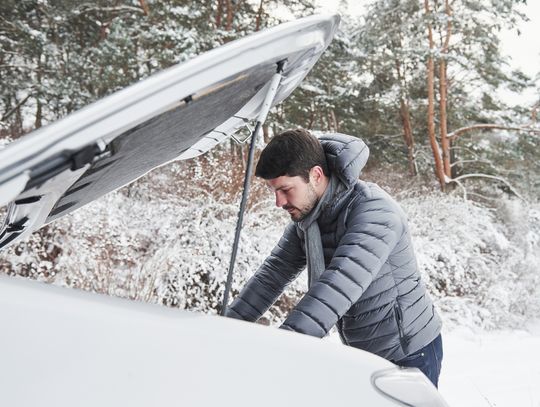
(498, 368)
(488, 369)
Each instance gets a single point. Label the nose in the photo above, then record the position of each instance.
(280, 199)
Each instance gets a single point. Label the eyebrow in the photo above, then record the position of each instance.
(277, 189)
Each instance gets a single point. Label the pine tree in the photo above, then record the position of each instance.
(438, 67)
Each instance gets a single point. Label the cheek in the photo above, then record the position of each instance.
(292, 194)
(295, 197)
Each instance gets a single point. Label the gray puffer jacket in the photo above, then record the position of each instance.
(371, 287)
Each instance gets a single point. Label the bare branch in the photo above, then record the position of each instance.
(87, 8)
(462, 188)
(500, 179)
(490, 164)
(472, 161)
(456, 133)
(388, 136)
(487, 198)
(467, 150)
(14, 109)
(428, 157)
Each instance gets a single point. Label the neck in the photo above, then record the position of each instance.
(323, 185)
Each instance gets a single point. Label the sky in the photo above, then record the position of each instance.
(525, 48)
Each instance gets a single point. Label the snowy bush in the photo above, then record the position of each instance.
(167, 239)
(481, 264)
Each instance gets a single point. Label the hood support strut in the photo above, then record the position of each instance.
(267, 104)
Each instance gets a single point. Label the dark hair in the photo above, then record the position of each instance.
(291, 153)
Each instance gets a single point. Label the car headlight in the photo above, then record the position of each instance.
(408, 386)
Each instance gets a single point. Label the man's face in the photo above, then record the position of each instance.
(294, 194)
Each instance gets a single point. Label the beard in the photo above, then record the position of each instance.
(299, 213)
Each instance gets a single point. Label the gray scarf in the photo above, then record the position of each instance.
(312, 234)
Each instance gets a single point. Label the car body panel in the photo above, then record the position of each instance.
(64, 347)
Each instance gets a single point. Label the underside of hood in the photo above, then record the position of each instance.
(179, 113)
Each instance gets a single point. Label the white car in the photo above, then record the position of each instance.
(63, 347)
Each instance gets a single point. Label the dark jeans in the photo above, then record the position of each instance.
(428, 360)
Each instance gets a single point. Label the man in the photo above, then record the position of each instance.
(355, 241)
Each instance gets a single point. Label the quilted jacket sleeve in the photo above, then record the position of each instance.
(373, 228)
(285, 263)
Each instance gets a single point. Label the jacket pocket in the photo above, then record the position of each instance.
(399, 322)
(413, 357)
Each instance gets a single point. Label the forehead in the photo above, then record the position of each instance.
(284, 182)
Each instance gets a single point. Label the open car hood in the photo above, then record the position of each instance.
(178, 113)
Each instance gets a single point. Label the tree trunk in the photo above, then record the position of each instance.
(18, 129)
(144, 6)
(408, 135)
(259, 17)
(454, 170)
(439, 171)
(328, 121)
(445, 143)
(334, 120)
(404, 113)
(219, 13)
(534, 113)
(275, 129)
(266, 134)
(443, 90)
(232, 145)
(39, 112)
(237, 153)
(311, 118)
(230, 15)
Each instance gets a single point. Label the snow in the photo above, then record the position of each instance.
(480, 368)
(496, 368)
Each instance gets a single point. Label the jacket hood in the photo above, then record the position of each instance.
(346, 156)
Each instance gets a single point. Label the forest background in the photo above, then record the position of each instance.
(420, 81)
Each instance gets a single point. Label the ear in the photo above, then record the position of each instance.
(316, 174)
